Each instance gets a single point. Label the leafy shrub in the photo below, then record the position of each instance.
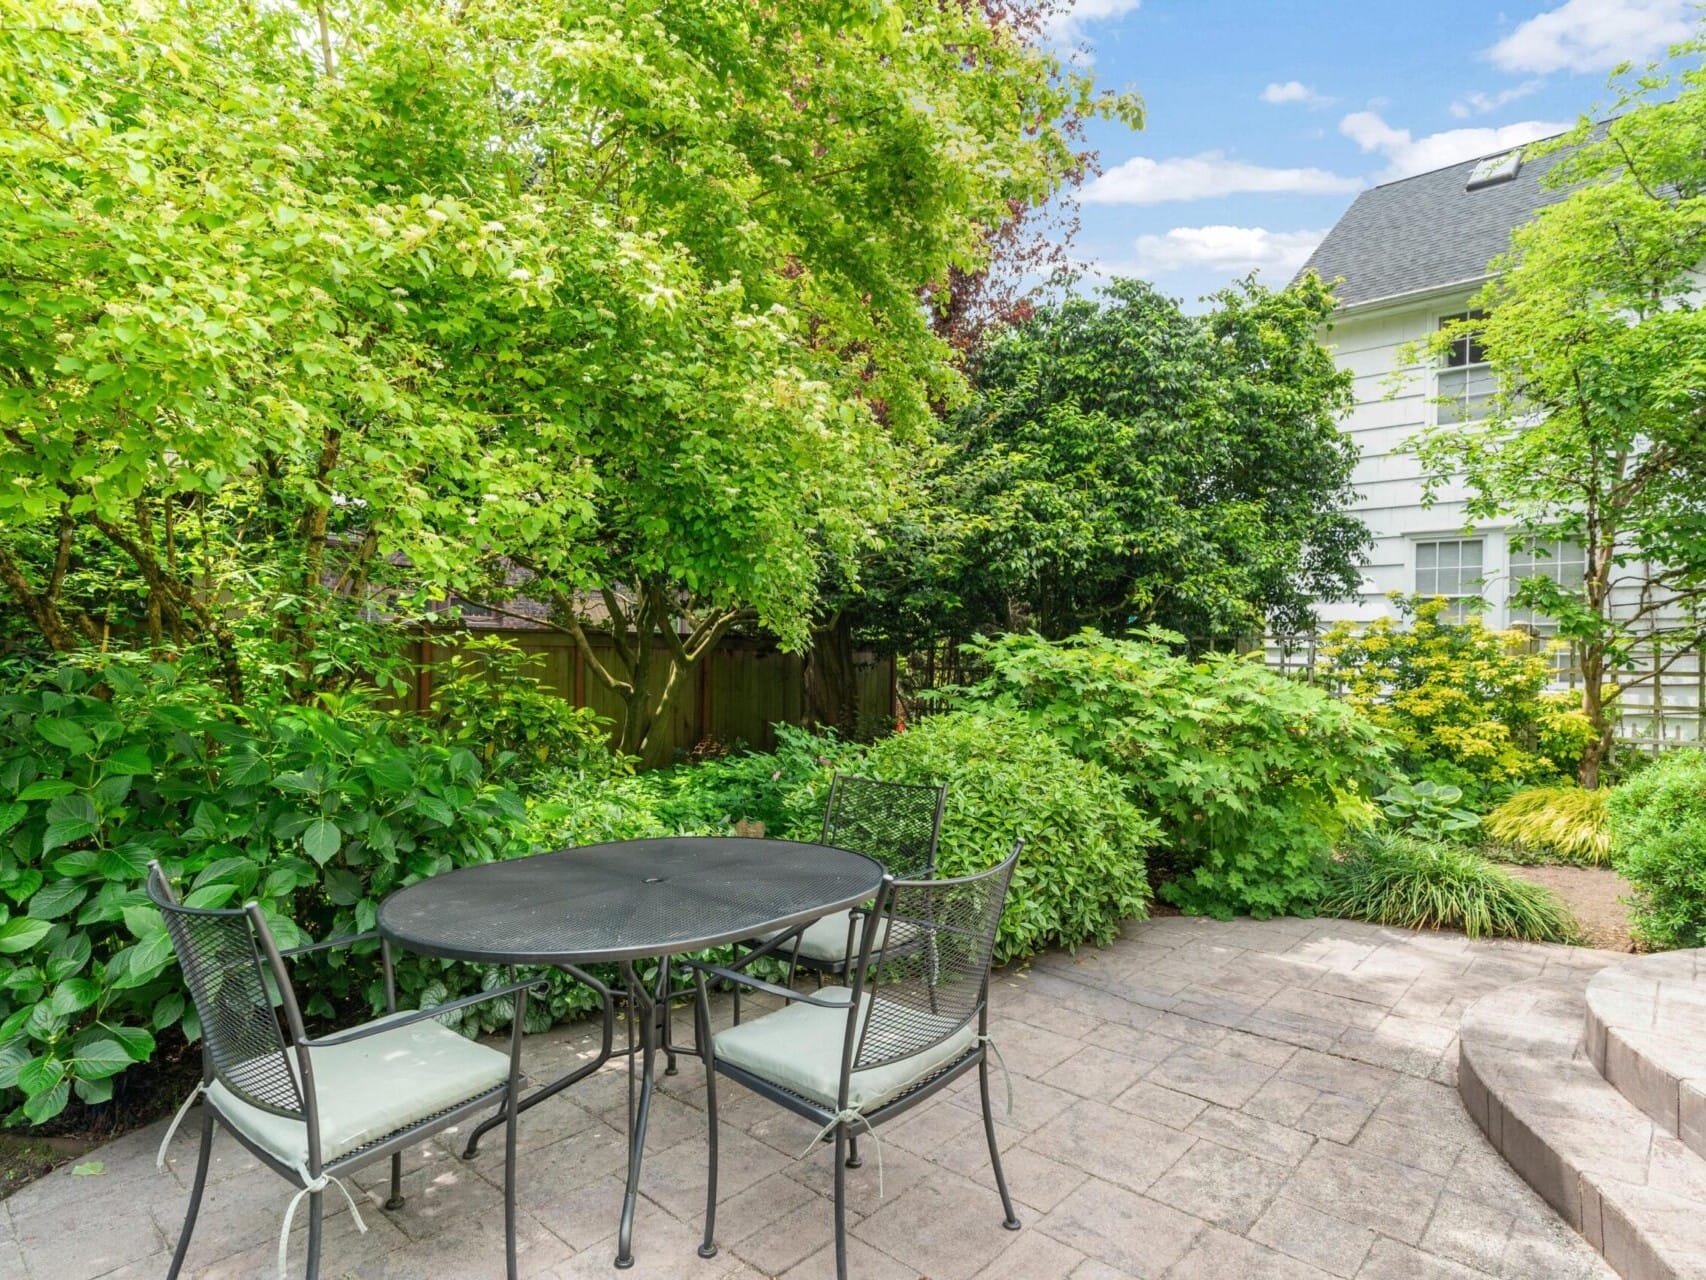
(314, 815)
(1658, 842)
(1082, 871)
(1419, 884)
(485, 698)
(1459, 695)
(1431, 810)
(1251, 775)
(1567, 823)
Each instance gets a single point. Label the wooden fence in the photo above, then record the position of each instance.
(740, 691)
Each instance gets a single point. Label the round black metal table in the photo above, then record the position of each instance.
(623, 902)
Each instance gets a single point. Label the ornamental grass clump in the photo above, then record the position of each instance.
(1417, 884)
(1561, 824)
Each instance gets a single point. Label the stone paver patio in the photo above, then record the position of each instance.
(1202, 1099)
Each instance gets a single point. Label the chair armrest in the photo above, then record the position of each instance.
(391, 1022)
(347, 940)
(758, 984)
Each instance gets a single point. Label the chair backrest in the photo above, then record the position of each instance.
(895, 822)
(931, 974)
(221, 954)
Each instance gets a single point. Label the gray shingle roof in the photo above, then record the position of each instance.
(1426, 232)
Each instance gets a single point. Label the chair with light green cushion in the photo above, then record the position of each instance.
(896, 823)
(912, 1020)
(319, 1107)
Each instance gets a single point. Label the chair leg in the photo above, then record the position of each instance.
(395, 1201)
(203, 1159)
(702, 1030)
(510, 1128)
(1012, 1222)
(840, 1203)
(853, 1160)
(316, 1225)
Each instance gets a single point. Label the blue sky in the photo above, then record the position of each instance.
(1266, 117)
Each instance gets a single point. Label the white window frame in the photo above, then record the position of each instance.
(1465, 591)
(1470, 372)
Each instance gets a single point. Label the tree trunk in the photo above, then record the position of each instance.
(1594, 706)
(832, 681)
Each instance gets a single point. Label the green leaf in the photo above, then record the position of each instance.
(167, 1010)
(74, 995)
(89, 1169)
(47, 789)
(135, 1041)
(57, 899)
(129, 760)
(321, 840)
(41, 1073)
(39, 1108)
(21, 934)
(11, 813)
(64, 832)
(68, 957)
(66, 734)
(101, 1058)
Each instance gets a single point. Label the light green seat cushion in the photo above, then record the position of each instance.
(825, 940)
(370, 1088)
(799, 1047)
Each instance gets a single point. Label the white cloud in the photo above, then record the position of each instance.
(1231, 251)
(1141, 180)
(1476, 103)
(1067, 24)
(1406, 155)
(1592, 35)
(1294, 91)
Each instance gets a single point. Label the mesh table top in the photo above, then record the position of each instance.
(625, 900)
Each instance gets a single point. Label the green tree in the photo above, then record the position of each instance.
(1597, 433)
(309, 313)
(1125, 464)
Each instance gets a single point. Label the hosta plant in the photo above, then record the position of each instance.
(1429, 809)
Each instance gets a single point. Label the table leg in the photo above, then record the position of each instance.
(649, 1008)
(606, 1051)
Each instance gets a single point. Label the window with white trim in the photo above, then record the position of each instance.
(1453, 568)
(1564, 562)
(1465, 381)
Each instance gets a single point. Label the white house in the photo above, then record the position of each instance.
(1408, 256)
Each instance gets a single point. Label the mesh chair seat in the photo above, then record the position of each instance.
(372, 1088)
(825, 940)
(800, 1048)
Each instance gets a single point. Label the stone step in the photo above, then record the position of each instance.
(1646, 1032)
(1632, 1189)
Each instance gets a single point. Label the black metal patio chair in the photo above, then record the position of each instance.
(896, 823)
(914, 1019)
(317, 1108)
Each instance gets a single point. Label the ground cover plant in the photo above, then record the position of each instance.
(1563, 824)
(1658, 843)
(1252, 776)
(1415, 883)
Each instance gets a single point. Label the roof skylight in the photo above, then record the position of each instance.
(1494, 170)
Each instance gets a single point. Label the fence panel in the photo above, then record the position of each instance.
(735, 697)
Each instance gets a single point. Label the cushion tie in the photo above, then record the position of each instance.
(850, 1116)
(172, 1129)
(309, 1186)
